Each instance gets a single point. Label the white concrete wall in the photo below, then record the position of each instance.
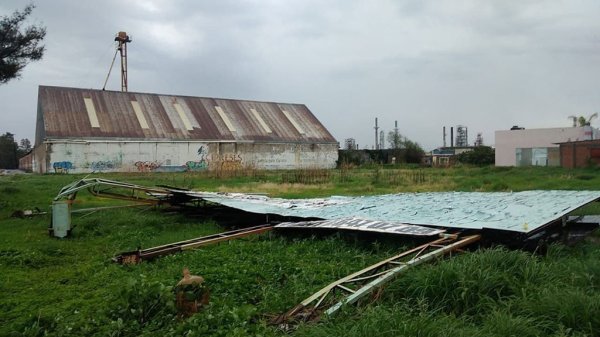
(147, 156)
(507, 141)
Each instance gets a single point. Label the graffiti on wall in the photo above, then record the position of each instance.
(200, 165)
(228, 161)
(62, 166)
(194, 166)
(147, 166)
(214, 161)
(104, 165)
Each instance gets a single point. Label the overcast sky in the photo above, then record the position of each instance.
(487, 65)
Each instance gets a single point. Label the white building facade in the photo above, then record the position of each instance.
(537, 147)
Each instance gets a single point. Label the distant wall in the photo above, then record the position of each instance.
(26, 162)
(508, 141)
(580, 154)
(148, 156)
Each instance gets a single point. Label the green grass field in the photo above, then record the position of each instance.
(70, 287)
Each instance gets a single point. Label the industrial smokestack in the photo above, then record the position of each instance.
(444, 134)
(451, 136)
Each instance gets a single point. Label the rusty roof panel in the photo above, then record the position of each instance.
(171, 117)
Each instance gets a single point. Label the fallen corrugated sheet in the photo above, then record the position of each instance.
(358, 224)
(511, 211)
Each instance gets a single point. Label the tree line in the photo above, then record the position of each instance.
(11, 151)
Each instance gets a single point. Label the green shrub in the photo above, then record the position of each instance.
(479, 156)
(141, 302)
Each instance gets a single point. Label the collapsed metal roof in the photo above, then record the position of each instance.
(91, 114)
(522, 212)
(403, 213)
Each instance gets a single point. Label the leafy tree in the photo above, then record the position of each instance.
(480, 156)
(395, 140)
(18, 46)
(24, 146)
(413, 152)
(8, 151)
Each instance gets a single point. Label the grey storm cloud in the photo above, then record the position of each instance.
(427, 64)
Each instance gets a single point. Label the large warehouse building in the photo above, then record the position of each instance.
(86, 130)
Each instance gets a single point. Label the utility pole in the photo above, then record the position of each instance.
(396, 138)
(376, 134)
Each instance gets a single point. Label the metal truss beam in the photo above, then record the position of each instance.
(113, 189)
(353, 287)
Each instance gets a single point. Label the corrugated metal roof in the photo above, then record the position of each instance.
(511, 211)
(88, 113)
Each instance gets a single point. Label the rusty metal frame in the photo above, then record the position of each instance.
(103, 188)
(106, 188)
(364, 282)
(137, 256)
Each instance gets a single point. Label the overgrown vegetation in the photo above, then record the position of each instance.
(71, 288)
(479, 156)
(409, 153)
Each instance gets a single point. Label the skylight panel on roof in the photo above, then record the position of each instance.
(294, 123)
(225, 118)
(91, 111)
(261, 121)
(140, 116)
(183, 117)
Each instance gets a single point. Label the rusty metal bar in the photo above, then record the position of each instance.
(383, 272)
(137, 256)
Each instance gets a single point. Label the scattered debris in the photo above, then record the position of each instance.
(191, 294)
(7, 172)
(27, 213)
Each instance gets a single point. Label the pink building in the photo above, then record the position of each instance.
(525, 147)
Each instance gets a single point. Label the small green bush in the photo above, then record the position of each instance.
(141, 302)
